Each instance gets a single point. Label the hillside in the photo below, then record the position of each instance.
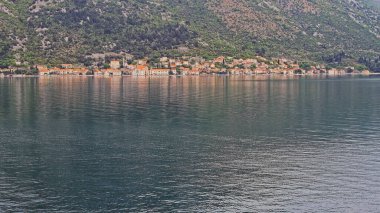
(55, 31)
(373, 3)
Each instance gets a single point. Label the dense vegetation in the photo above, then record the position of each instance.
(54, 31)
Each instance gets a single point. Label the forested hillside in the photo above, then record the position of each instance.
(56, 31)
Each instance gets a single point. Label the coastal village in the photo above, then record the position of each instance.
(191, 66)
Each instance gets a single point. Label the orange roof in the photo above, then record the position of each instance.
(220, 59)
(141, 67)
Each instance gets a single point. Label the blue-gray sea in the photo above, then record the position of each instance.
(190, 144)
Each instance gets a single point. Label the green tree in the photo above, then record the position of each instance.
(306, 66)
(106, 66)
(178, 70)
(7, 62)
(240, 66)
(360, 67)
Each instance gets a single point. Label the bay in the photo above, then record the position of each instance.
(193, 144)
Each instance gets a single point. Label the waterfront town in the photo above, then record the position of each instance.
(185, 66)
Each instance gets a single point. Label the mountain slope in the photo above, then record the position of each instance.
(54, 31)
(373, 3)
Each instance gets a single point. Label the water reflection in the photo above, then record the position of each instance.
(251, 143)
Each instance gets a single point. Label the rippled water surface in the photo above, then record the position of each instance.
(248, 144)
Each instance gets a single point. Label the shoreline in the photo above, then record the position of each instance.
(201, 75)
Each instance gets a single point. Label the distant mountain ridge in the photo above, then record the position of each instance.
(56, 31)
